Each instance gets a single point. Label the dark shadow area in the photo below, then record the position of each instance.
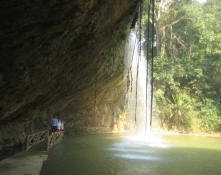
(10, 151)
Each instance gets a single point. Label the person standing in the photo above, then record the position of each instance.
(59, 126)
(62, 125)
(54, 123)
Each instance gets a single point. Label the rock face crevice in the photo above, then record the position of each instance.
(56, 56)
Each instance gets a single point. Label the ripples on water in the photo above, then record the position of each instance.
(118, 154)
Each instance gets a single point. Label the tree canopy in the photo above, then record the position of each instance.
(187, 63)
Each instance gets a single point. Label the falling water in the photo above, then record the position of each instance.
(138, 119)
(129, 154)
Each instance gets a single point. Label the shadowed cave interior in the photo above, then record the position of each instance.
(57, 59)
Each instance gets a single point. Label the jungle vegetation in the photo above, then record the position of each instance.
(186, 63)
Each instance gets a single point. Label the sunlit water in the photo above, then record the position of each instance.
(119, 154)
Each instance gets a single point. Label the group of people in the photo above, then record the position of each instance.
(56, 125)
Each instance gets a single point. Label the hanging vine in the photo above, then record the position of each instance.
(131, 74)
(95, 87)
(139, 57)
(147, 60)
(152, 55)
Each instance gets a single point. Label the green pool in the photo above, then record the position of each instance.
(120, 154)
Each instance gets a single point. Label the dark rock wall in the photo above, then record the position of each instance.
(56, 59)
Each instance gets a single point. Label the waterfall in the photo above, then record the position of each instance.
(138, 116)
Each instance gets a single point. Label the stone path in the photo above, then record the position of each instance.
(28, 162)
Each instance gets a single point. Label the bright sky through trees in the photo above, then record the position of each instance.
(202, 1)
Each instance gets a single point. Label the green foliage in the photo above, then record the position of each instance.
(114, 49)
(208, 115)
(124, 113)
(187, 77)
(179, 108)
(175, 111)
(115, 46)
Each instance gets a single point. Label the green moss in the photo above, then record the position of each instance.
(114, 89)
(115, 46)
(28, 127)
(112, 111)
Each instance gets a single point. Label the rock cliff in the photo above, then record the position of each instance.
(62, 58)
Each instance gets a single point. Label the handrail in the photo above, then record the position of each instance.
(54, 139)
(36, 138)
(57, 136)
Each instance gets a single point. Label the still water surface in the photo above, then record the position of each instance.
(120, 154)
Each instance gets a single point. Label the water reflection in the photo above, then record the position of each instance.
(136, 157)
(118, 154)
(138, 140)
(136, 147)
(117, 149)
